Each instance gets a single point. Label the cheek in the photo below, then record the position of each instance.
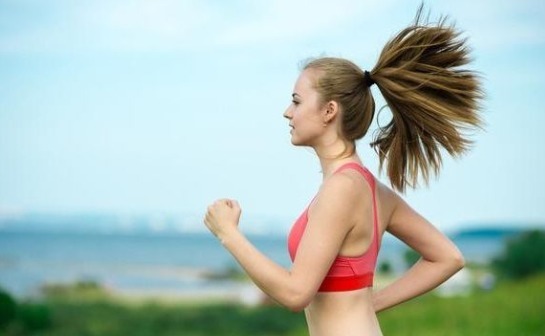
(304, 116)
(306, 130)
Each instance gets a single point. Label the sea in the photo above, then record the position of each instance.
(183, 263)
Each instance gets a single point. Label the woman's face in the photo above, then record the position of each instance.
(304, 112)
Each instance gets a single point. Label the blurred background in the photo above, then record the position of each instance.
(120, 121)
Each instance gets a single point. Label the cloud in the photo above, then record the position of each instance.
(190, 25)
(169, 25)
(498, 25)
(286, 20)
(68, 26)
(161, 24)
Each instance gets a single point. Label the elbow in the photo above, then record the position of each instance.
(297, 300)
(457, 261)
(297, 306)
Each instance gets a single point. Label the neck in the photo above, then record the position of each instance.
(333, 156)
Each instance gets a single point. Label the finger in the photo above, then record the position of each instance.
(224, 201)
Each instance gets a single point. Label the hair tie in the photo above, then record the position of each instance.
(367, 79)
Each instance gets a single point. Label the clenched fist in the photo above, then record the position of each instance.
(222, 217)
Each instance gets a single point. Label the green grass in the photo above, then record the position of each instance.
(151, 319)
(512, 308)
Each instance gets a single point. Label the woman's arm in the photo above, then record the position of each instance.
(328, 224)
(440, 258)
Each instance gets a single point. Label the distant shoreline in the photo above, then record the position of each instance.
(175, 225)
(183, 265)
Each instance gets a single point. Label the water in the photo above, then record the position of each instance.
(131, 262)
(176, 263)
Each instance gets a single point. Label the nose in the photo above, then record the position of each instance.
(287, 114)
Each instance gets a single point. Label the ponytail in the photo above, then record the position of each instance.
(431, 99)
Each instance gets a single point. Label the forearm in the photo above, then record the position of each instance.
(270, 277)
(424, 276)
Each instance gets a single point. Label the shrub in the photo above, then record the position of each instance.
(8, 309)
(34, 316)
(385, 267)
(523, 256)
(411, 257)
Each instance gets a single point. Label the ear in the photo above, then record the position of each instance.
(331, 110)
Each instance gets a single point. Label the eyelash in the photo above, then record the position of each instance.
(294, 102)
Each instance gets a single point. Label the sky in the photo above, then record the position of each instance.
(161, 107)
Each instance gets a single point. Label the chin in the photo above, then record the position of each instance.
(298, 143)
(301, 141)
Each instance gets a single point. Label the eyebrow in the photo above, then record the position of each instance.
(295, 94)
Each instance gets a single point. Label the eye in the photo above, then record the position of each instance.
(295, 102)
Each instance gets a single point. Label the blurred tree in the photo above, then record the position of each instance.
(523, 256)
(34, 316)
(8, 309)
(411, 257)
(385, 267)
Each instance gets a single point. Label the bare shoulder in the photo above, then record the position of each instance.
(411, 227)
(393, 204)
(339, 193)
(344, 185)
(389, 200)
(399, 218)
(404, 221)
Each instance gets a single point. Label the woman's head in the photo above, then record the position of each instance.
(328, 100)
(307, 113)
(341, 81)
(432, 100)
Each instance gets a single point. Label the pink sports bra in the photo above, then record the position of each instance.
(346, 273)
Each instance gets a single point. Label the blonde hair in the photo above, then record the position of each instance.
(432, 100)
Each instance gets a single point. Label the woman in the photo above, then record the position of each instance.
(335, 242)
